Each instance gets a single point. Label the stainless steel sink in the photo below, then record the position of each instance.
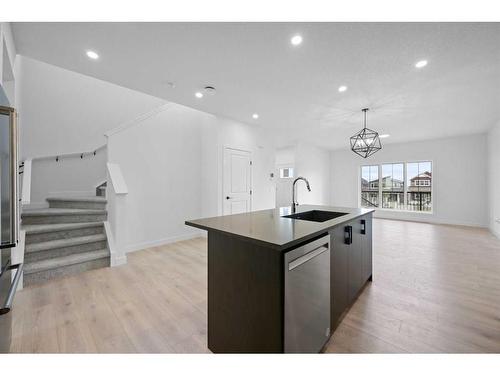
(316, 215)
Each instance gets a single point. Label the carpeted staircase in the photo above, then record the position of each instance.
(66, 238)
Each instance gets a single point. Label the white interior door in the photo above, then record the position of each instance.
(237, 181)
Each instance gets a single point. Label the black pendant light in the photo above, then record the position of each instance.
(366, 142)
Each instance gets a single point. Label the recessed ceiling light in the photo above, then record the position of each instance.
(255, 116)
(342, 88)
(384, 135)
(92, 55)
(296, 40)
(199, 95)
(421, 64)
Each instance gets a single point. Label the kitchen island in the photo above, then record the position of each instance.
(282, 284)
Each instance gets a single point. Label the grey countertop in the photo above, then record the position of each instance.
(268, 227)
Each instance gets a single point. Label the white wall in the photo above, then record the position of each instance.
(68, 176)
(64, 112)
(217, 133)
(160, 162)
(285, 158)
(494, 179)
(8, 74)
(7, 59)
(459, 178)
(311, 162)
(171, 162)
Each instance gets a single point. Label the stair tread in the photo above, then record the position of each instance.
(64, 242)
(44, 228)
(61, 211)
(78, 199)
(68, 260)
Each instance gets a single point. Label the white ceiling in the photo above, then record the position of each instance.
(294, 89)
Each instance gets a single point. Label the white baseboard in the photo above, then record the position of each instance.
(495, 233)
(117, 258)
(163, 241)
(425, 218)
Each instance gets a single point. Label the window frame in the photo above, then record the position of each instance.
(381, 188)
(360, 174)
(406, 186)
(285, 166)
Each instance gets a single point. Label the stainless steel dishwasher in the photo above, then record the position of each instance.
(307, 297)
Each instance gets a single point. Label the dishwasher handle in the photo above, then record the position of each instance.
(307, 257)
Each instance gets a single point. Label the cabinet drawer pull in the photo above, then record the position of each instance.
(363, 226)
(348, 235)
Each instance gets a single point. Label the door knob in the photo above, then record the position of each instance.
(228, 198)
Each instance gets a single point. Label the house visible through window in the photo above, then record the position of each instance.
(419, 194)
(397, 186)
(393, 186)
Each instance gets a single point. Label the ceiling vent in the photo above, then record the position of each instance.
(209, 90)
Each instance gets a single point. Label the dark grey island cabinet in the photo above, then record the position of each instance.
(351, 264)
(248, 290)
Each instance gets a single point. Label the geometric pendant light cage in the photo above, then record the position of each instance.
(366, 142)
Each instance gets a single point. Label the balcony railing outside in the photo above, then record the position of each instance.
(369, 199)
(421, 201)
(416, 201)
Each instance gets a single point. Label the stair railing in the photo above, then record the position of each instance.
(81, 155)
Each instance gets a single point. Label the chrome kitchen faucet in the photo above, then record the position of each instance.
(295, 204)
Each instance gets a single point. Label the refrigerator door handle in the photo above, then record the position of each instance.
(12, 290)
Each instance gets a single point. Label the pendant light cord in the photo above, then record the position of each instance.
(364, 111)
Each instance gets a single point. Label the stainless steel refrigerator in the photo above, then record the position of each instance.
(9, 218)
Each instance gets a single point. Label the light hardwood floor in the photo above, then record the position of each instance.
(436, 288)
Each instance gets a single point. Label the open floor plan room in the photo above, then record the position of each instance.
(250, 188)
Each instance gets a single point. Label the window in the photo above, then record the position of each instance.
(369, 186)
(397, 186)
(419, 179)
(286, 172)
(393, 195)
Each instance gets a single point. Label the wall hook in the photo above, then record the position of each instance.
(57, 158)
(81, 156)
